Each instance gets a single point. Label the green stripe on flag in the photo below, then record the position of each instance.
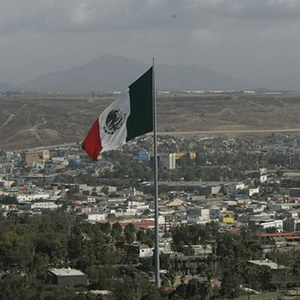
(140, 120)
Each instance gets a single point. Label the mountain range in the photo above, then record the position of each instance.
(112, 73)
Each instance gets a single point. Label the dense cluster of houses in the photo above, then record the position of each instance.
(232, 204)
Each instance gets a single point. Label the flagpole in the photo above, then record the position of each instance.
(156, 226)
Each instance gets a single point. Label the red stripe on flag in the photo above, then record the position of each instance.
(92, 143)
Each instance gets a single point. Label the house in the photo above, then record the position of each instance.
(145, 251)
(50, 168)
(32, 197)
(274, 273)
(198, 250)
(31, 159)
(94, 218)
(67, 277)
(167, 160)
(176, 203)
(41, 205)
(277, 224)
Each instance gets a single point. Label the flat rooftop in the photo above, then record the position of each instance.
(267, 263)
(66, 272)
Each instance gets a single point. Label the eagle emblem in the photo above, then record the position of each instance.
(114, 121)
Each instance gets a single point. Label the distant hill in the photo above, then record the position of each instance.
(5, 87)
(281, 82)
(111, 73)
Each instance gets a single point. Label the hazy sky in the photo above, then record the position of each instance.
(243, 38)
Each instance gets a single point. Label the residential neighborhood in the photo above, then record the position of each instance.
(212, 192)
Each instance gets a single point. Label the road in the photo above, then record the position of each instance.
(211, 132)
(230, 131)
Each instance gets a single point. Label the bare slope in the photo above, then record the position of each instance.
(45, 120)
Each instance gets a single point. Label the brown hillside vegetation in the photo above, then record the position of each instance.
(33, 120)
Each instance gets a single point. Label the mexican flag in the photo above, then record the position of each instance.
(129, 116)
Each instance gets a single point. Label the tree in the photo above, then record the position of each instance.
(230, 285)
(129, 233)
(105, 227)
(40, 264)
(116, 231)
(8, 200)
(145, 237)
(133, 286)
(15, 249)
(54, 245)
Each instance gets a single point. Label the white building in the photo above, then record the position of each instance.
(202, 249)
(146, 251)
(268, 263)
(93, 218)
(253, 191)
(29, 198)
(278, 224)
(167, 160)
(233, 187)
(43, 205)
(263, 178)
